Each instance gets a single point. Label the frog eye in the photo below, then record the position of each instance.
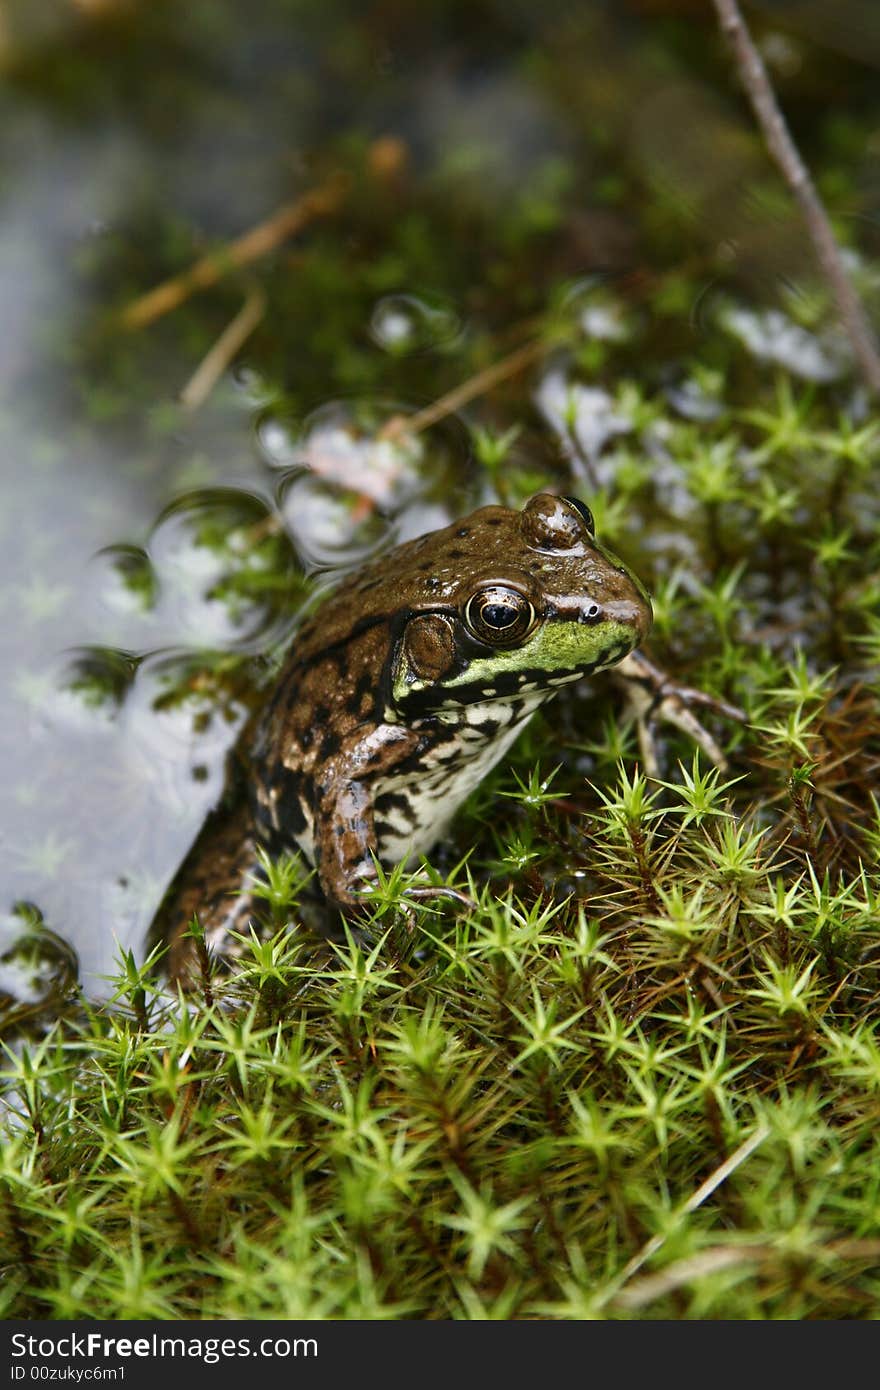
(500, 616)
(584, 511)
(557, 523)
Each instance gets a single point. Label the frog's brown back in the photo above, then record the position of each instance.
(436, 566)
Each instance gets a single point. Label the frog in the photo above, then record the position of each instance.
(401, 691)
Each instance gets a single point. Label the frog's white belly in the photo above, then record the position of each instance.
(413, 810)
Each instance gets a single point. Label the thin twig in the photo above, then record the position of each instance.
(696, 1199)
(718, 1257)
(653, 1286)
(217, 359)
(476, 385)
(290, 218)
(783, 149)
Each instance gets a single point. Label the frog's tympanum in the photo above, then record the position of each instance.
(401, 692)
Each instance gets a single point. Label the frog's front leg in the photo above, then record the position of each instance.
(344, 830)
(654, 696)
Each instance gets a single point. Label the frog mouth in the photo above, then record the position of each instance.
(530, 684)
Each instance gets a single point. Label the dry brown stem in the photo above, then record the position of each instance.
(265, 237)
(217, 359)
(476, 385)
(784, 151)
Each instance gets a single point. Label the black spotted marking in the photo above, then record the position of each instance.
(287, 807)
(608, 654)
(394, 801)
(362, 697)
(330, 744)
(447, 753)
(508, 682)
(488, 726)
(615, 653)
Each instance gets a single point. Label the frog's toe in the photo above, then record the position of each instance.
(673, 710)
(654, 698)
(433, 890)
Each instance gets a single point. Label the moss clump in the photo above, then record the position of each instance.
(659, 1103)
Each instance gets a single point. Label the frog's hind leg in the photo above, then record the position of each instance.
(213, 884)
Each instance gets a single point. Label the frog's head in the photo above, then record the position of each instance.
(509, 603)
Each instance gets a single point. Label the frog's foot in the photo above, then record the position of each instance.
(432, 890)
(653, 697)
(362, 933)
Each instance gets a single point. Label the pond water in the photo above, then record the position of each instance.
(501, 158)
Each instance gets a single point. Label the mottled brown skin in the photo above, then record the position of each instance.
(211, 884)
(385, 689)
(323, 741)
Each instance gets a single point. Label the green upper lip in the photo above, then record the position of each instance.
(627, 612)
(630, 614)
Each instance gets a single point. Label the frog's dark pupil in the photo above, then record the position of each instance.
(499, 615)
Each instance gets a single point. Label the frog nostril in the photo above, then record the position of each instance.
(590, 613)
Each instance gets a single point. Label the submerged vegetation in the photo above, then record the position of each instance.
(639, 1076)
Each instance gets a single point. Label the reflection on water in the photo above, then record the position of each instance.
(37, 968)
(405, 323)
(151, 558)
(224, 570)
(772, 337)
(353, 471)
